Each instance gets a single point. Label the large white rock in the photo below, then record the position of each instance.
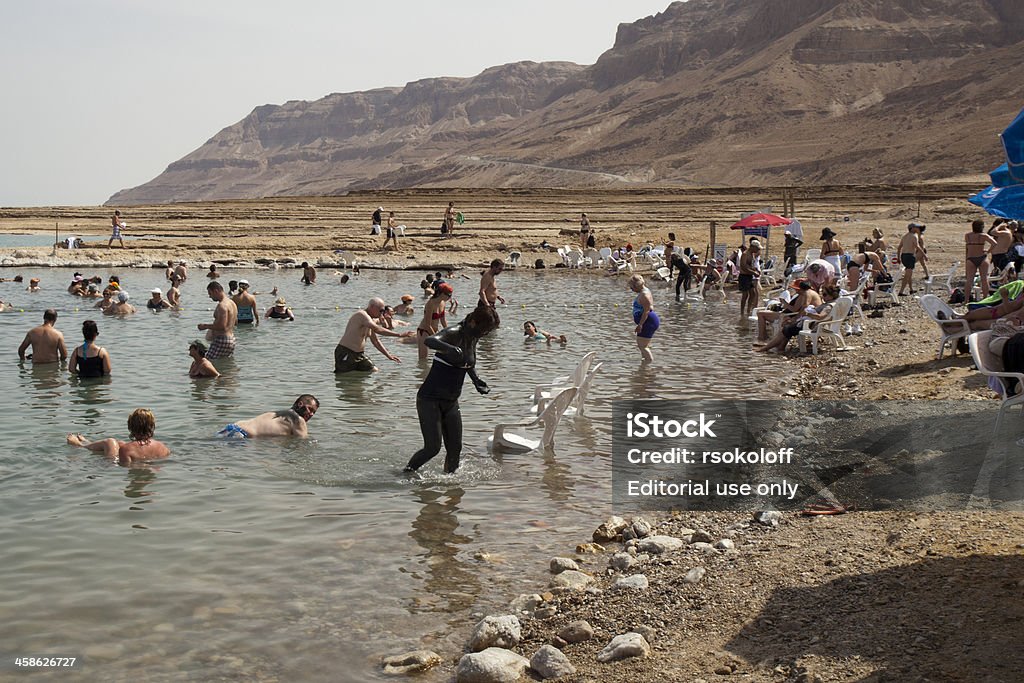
(637, 582)
(624, 646)
(550, 662)
(657, 545)
(571, 580)
(503, 631)
(493, 665)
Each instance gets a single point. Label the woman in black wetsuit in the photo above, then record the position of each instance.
(437, 402)
(89, 360)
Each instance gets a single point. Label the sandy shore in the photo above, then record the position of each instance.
(865, 596)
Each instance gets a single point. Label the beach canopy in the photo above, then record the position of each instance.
(1005, 196)
(760, 220)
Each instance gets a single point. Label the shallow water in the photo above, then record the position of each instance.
(305, 559)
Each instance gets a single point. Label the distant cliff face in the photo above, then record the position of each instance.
(716, 92)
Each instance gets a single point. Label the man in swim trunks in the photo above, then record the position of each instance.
(289, 422)
(221, 332)
(1003, 236)
(350, 353)
(749, 276)
(910, 251)
(488, 287)
(116, 226)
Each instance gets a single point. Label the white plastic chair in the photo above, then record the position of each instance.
(606, 254)
(811, 255)
(543, 391)
(591, 257)
(508, 437)
(930, 280)
(951, 327)
(347, 259)
(828, 329)
(574, 258)
(986, 362)
(885, 289)
(577, 408)
(513, 260)
(768, 278)
(662, 274)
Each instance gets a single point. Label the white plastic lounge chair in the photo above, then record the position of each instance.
(827, 329)
(662, 274)
(605, 254)
(987, 363)
(930, 280)
(951, 327)
(577, 407)
(347, 259)
(574, 258)
(574, 380)
(618, 264)
(591, 257)
(512, 260)
(508, 437)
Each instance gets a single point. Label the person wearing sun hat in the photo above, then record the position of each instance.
(831, 250)
(406, 307)
(280, 310)
(156, 301)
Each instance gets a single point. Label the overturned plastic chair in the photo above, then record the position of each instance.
(578, 407)
(544, 391)
(509, 437)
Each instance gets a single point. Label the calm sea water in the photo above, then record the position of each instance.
(306, 559)
(8, 241)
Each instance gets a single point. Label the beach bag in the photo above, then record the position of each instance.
(957, 296)
(883, 278)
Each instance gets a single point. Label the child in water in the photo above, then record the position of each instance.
(531, 333)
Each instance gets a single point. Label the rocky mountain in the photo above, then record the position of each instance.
(708, 92)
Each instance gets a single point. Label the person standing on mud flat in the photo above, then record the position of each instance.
(116, 226)
(449, 220)
(378, 216)
(584, 230)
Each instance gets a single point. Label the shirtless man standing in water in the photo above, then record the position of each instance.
(221, 332)
(47, 342)
(350, 353)
(488, 287)
(289, 422)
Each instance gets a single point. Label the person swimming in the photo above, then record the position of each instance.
(532, 333)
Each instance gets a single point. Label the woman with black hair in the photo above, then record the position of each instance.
(437, 402)
(89, 360)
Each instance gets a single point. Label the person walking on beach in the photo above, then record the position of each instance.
(488, 286)
(246, 304)
(47, 341)
(288, 422)
(142, 446)
(201, 367)
(909, 251)
(437, 401)
(221, 332)
(647, 321)
(392, 235)
(89, 360)
(378, 216)
(350, 353)
(449, 220)
(116, 226)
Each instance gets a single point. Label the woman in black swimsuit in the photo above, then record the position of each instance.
(977, 257)
(89, 360)
(437, 402)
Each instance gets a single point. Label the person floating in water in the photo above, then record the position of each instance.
(289, 422)
(647, 321)
(437, 402)
(142, 446)
(531, 333)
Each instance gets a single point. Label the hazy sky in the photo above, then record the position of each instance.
(101, 95)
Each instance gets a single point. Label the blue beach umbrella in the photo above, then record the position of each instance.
(1005, 196)
(1007, 202)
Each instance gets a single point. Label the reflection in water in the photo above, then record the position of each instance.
(139, 477)
(434, 530)
(89, 393)
(557, 479)
(43, 386)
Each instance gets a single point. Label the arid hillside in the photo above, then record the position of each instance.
(706, 93)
